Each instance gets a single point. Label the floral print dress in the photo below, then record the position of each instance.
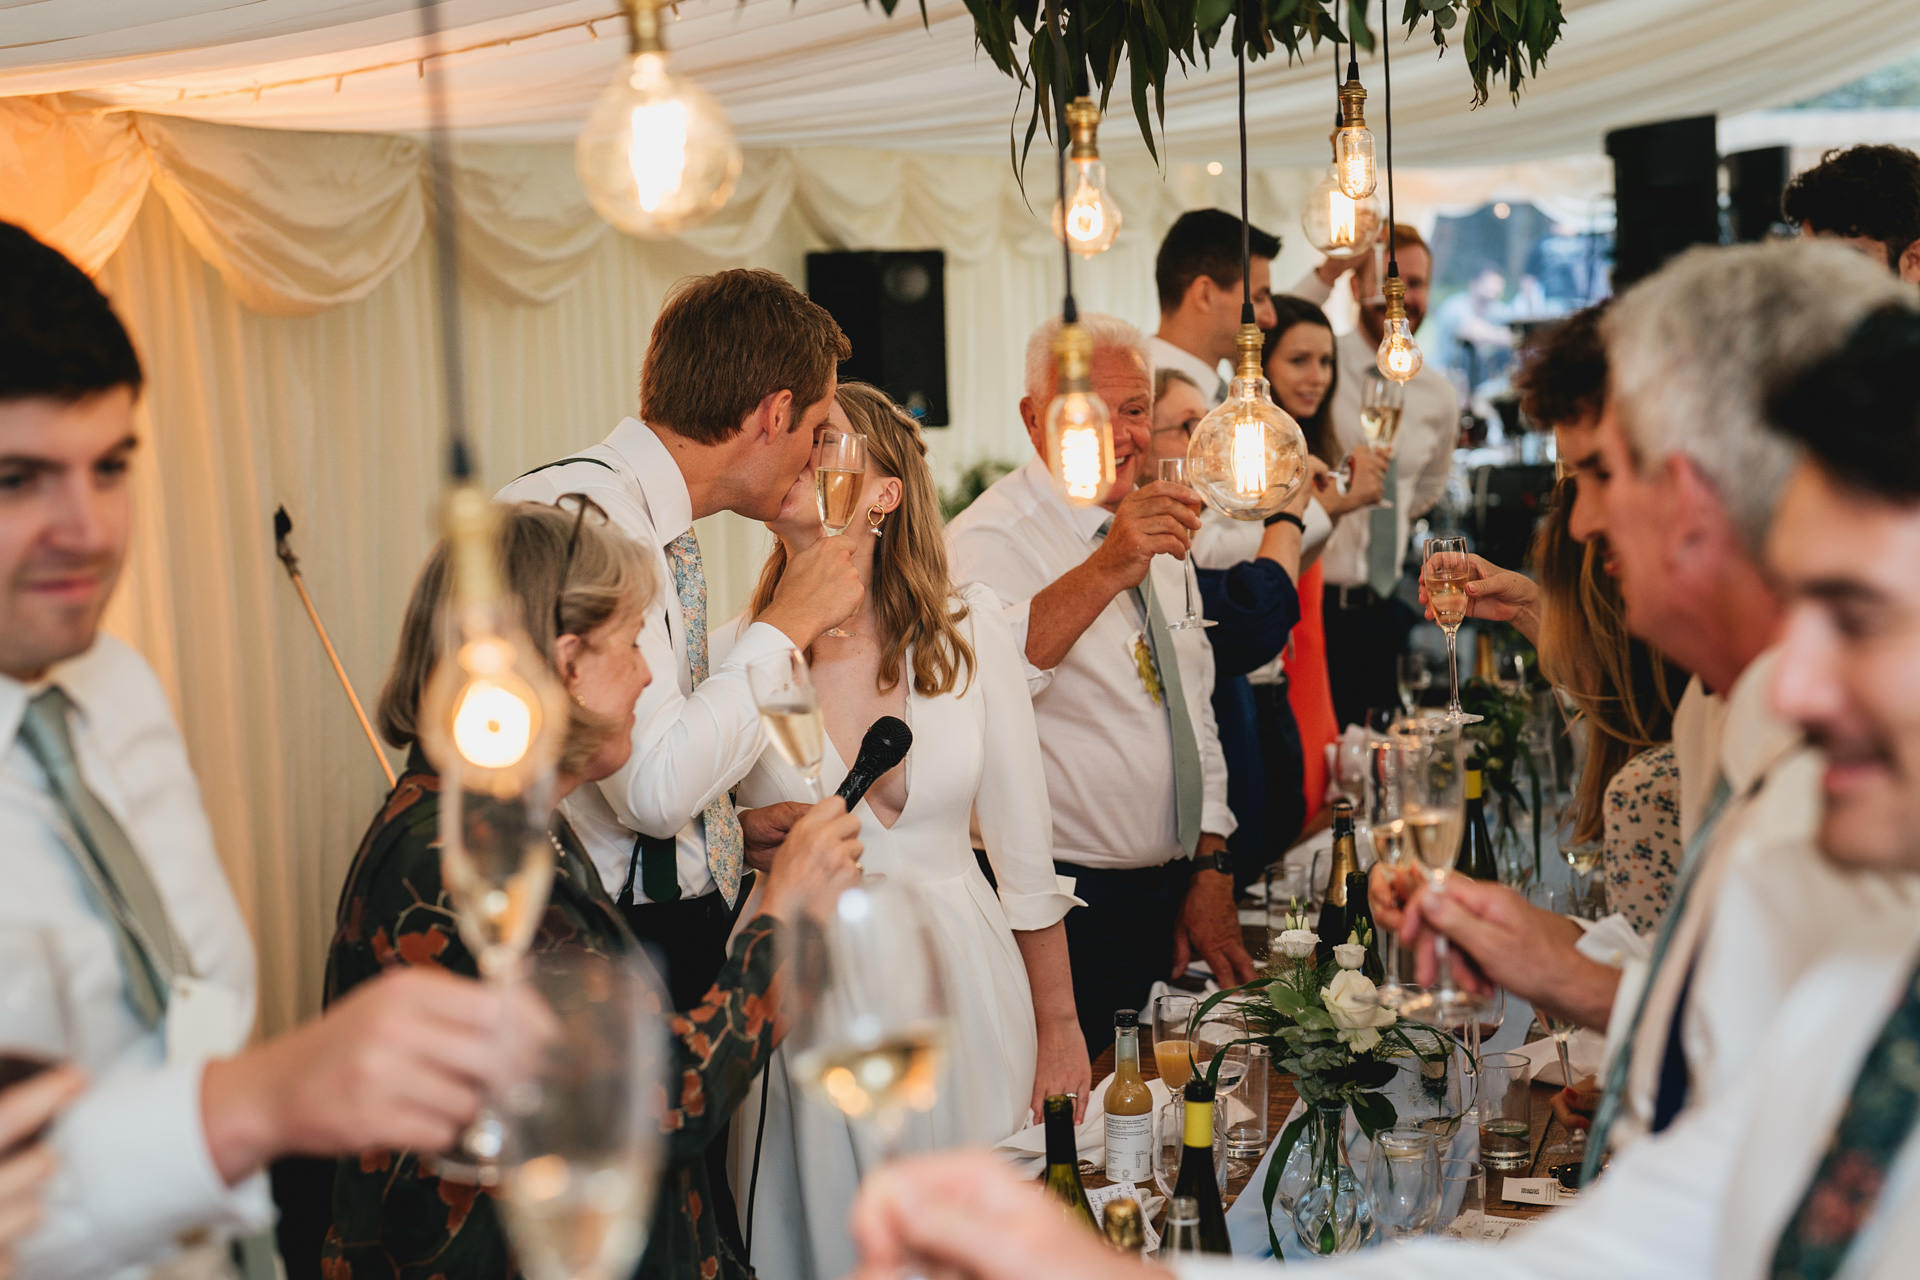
(1643, 850)
(393, 1220)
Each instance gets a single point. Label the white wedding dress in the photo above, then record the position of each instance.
(974, 753)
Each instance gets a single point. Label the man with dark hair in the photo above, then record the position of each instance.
(108, 851)
(1865, 197)
(1199, 278)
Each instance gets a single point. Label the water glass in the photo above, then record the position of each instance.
(1246, 1107)
(1506, 1112)
(1443, 1090)
(1462, 1183)
(1403, 1182)
(1171, 1131)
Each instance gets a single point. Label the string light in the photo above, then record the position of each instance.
(1398, 357)
(1337, 225)
(1353, 141)
(1089, 220)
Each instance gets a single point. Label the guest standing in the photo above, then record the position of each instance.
(944, 662)
(1133, 762)
(1198, 275)
(585, 595)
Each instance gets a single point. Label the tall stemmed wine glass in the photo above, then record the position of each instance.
(870, 1010)
(1447, 572)
(839, 463)
(497, 855)
(1387, 824)
(1381, 403)
(584, 1144)
(1174, 471)
(789, 707)
(1431, 759)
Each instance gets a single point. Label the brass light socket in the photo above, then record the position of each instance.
(470, 523)
(1353, 102)
(643, 27)
(1249, 341)
(1073, 358)
(1395, 292)
(1083, 123)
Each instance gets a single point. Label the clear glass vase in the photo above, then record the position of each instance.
(1331, 1214)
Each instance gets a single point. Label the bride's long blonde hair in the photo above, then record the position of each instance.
(913, 596)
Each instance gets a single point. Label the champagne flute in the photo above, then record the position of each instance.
(789, 707)
(1388, 827)
(1172, 1041)
(1415, 680)
(583, 1150)
(1447, 573)
(1382, 401)
(496, 862)
(839, 462)
(1431, 760)
(1174, 471)
(36, 1005)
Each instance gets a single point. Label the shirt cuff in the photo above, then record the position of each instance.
(1611, 942)
(1027, 912)
(1216, 819)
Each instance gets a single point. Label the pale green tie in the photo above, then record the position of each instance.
(1383, 538)
(1188, 791)
(150, 952)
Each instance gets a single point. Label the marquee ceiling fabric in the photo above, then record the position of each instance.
(838, 73)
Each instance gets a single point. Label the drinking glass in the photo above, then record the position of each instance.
(1431, 761)
(789, 707)
(1572, 1148)
(1506, 1113)
(1415, 679)
(1403, 1181)
(583, 1149)
(1443, 1088)
(1510, 672)
(1447, 573)
(1462, 1183)
(1174, 471)
(1382, 401)
(1172, 1039)
(839, 462)
(1246, 1107)
(1386, 825)
(1215, 1038)
(36, 1004)
(1170, 1144)
(497, 855)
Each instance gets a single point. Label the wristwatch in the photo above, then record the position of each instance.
(1287, 517)
(1220, 860)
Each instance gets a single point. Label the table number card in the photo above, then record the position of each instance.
(1543, 1191)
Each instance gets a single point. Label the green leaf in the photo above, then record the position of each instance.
(1374, 1113)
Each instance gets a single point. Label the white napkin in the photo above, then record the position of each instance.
(1027, 1149)
(1586, 1052)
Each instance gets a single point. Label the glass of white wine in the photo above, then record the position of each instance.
(1174, 471)
(583, 1151)
(789, 707)
(839, 464)
(497, 856)
(1381, 403)
(1447, 572)
(1431, 761)
(1387, 826)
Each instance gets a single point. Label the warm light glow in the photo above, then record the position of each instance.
(1398, 356)
(656, 155)
(1080, 471)
(1503, 210)
(492, 725)
(1342, 215)
(1353, 159)
(1215, 168)
(1086, 219)
(1250, 457)
(1091, 221)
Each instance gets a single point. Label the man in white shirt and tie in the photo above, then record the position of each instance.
(663, 831)
(1134, 767)
(108, 852)
(1366, 629)
(1197, 274)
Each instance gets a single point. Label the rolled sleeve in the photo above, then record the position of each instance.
(135, 1175)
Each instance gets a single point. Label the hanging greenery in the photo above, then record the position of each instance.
(1503, 40)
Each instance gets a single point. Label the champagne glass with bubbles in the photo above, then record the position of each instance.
(1431, 759)
(839, 466)
(1381, 403)
(1447, 572)
(783, 690)
(1174, 471)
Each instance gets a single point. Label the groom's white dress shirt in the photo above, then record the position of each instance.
(136, 1179)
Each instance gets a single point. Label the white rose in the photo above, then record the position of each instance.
(1297, 944)
(1350, 955)
(1356, 1017)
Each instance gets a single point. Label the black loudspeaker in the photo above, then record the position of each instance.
(1755, 181)
(893, 308)
(1666, 193)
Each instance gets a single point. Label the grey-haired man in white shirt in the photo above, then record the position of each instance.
(108, 852)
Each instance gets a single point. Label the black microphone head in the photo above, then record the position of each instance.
(886, 744)
(282, 524)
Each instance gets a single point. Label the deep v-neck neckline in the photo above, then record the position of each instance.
(906, 710)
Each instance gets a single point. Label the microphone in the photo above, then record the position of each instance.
(884, 747)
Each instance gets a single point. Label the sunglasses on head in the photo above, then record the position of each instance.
(581, 505)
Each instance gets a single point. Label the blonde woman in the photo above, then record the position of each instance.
(947, 665)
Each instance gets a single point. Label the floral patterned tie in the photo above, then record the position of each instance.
(1846, 1187)
(725, 847)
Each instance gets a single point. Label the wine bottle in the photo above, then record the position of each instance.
(1196, 1177)
(1476, 847)
(1360, 927)
(1063, 1160)
(1126, 1229)
(1334, 909)
(1129, 1106)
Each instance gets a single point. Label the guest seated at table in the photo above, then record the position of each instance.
(1809, 1169)
(943, 661)
(1133, 764)
(1865, 197)
(585, 593)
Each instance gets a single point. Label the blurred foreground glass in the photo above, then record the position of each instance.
(1463, 1187)
(1403, 1182)
(783, 690)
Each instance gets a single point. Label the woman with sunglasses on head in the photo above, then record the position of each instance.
(944, 662)
(584, 592)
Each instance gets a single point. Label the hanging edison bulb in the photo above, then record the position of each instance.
(1247, 457)
(492, 715)
(657, 154)
(1079, 432)
(1353, 141)
(1398, 355)
(1089, 219)
(1338, 225)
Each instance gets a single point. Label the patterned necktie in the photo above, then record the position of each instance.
(725, 848)
(1384, 548)
(1618, 1069)
(1846, 1187)
(1188, 791)
(150, 952)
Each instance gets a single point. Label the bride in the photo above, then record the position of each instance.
(947, 665)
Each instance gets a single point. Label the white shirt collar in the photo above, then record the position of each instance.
(1168, 356)
(1753, 739)
(15, 695)
(654, 469)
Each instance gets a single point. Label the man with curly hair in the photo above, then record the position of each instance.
(1865, 197)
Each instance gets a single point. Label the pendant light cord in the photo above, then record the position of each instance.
(445, 245)
(1069, 312)
(1386, 78)
(1246, 233)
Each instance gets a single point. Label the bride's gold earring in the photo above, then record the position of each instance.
(875, 518)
